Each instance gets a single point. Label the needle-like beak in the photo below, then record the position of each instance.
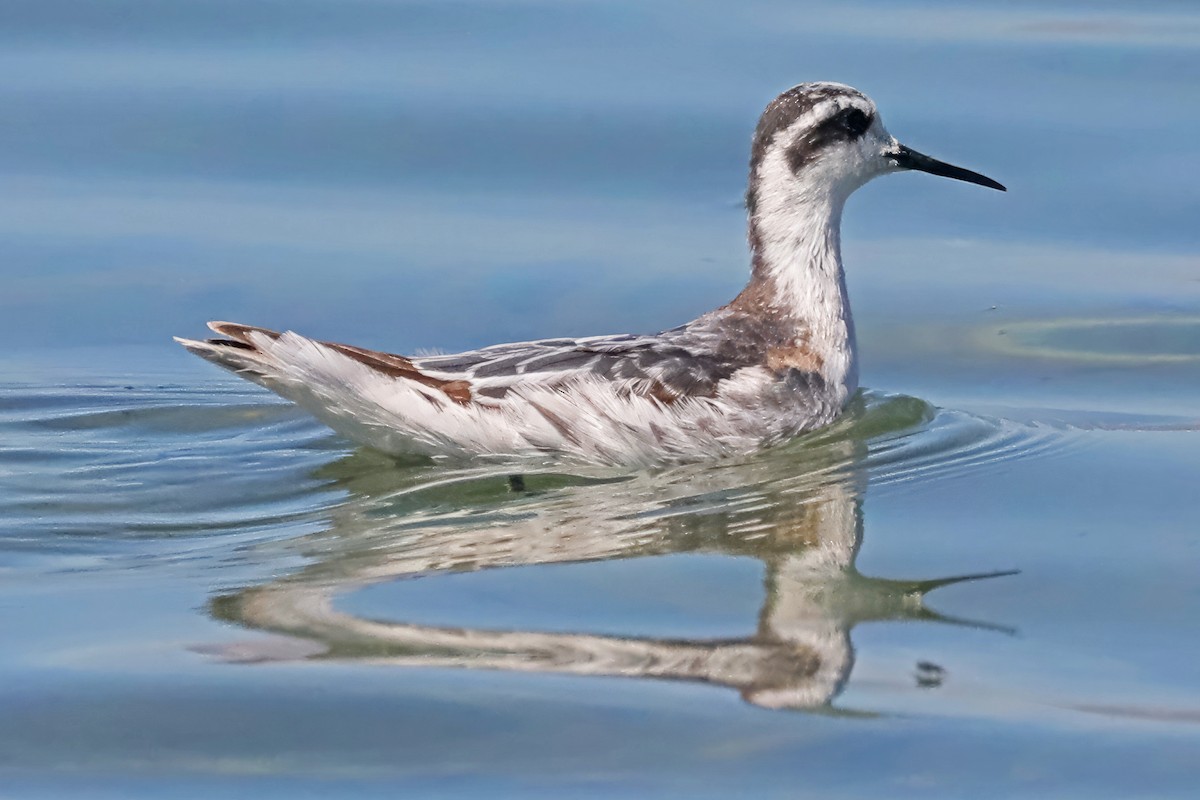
(907, 158)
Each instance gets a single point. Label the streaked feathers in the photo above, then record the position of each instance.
(621, 399)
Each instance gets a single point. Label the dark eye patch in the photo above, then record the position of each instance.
(844, 126)
(853, 121)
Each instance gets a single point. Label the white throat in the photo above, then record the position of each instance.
(796, 237)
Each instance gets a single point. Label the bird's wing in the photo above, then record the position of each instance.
(610, 399)
(669, 366)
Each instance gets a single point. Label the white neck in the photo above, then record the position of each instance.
(796, 242)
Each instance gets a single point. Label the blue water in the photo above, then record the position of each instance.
(203, 592)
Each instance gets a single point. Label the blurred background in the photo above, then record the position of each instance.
(446, 174)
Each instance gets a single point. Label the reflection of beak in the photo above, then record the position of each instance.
(907, 158)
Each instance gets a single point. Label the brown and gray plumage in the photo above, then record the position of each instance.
(776, 361)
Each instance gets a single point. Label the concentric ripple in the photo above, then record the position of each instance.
(955, 442)
(112, 474)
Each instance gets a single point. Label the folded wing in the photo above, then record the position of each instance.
(597, 398)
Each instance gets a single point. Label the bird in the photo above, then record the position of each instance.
(778, 360)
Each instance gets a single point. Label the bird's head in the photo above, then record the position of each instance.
(821, 141)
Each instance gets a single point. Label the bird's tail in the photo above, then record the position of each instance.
(377, 399)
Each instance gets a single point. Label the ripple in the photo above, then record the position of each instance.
(956, 442)
(888, 438)
(172, 473)
(180, 419)
(123, 475)
(906, 439)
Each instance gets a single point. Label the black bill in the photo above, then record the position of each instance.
(907, 158)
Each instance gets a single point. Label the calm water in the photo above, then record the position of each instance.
(984, 581)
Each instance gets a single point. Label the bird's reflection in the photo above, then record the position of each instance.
(797, 509)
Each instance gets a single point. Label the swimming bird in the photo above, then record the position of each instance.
(778, 360)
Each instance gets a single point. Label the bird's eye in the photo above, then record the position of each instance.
(854, 121)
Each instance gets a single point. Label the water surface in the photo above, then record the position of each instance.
(981, 582)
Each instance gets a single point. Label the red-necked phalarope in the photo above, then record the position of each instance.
(779, 359)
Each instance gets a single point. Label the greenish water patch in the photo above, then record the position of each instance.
(1148, 340)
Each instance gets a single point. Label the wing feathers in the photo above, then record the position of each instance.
(394, 366)
(621, 399)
